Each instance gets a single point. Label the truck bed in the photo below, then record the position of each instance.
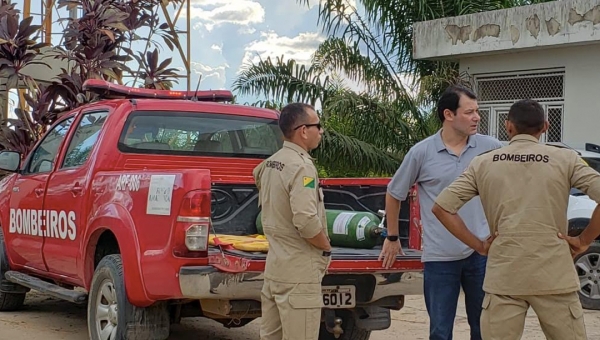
(235, 207)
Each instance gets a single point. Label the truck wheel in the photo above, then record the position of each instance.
(587, 266)
(112, 317)
(8, 301)
(351, 332)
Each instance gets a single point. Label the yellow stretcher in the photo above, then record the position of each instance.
(247, 243)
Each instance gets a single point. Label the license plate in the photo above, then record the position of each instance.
(339, 296)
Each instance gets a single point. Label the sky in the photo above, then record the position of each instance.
(228, 34)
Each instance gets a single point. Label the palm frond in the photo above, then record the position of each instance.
(284, 81)
(370, 120)
(338, 54)
(344, 156)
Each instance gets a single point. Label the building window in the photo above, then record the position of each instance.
(497, 92)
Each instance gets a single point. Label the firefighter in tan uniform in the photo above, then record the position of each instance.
(524, 188)
(294, 222)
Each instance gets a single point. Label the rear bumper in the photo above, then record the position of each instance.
(206, 282)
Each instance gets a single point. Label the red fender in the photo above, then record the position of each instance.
(117, 219)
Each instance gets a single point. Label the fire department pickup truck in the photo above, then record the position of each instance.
(114, 207)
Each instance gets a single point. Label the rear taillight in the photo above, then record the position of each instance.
(193, 224)
(196, 237)
(196, 204)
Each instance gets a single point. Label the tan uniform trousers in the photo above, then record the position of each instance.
(290, 311)
(560, 316)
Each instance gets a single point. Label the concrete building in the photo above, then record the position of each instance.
(549, 52)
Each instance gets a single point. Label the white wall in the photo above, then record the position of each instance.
(525, 27)
(582, 83)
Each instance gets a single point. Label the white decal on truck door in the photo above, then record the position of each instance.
(129, 182)
(47, 223)
(160, 194)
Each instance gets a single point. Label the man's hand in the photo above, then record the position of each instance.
(389, 252)
(320, 241)
(485, 245)
(575, 243)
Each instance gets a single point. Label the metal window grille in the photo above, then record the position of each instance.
(502, 134)
(484, 122)
(554, 114)
(497, 92)
(538, 86)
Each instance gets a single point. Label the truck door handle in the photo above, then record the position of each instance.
(76, 190)
(39, 192)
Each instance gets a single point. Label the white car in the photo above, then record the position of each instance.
(591, 155)
(587, 264)
(579, 214)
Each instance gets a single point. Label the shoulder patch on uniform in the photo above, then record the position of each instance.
(308, 182)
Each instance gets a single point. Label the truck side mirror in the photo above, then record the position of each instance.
(10, 160)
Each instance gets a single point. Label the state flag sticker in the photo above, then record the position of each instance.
(309, 182)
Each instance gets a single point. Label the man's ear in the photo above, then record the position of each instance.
(303, 132)
(546, 126)
(449, 115)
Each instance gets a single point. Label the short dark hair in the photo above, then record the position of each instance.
(449, 100)
(291, 116)
(527, 115)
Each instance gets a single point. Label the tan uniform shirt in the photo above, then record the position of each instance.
(524, 188)
(292, 210)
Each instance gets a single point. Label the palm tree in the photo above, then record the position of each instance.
(363, 135)
(367, 131)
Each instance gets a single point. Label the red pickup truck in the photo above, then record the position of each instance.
(114, 207)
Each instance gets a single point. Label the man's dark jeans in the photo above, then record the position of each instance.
(442, 289)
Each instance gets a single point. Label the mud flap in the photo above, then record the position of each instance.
(152, 322)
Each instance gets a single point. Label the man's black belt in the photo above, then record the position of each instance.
(326, 253)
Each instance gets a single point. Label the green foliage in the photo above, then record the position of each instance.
(97, 46)
(367, 130)
(18, 48)
(156, 76)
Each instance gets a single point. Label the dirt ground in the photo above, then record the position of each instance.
(46, 318)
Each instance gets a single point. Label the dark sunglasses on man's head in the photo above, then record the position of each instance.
(318, 125)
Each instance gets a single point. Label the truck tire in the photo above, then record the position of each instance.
(8, 301)
(112, 317)
(351, 332)
(587, 266)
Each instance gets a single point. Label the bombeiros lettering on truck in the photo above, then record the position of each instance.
(144, 201)
(46, 223)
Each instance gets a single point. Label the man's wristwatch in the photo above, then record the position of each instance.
(392, 238)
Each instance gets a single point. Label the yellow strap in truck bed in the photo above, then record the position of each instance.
(246, 243)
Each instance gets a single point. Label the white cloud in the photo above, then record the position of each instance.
(299, 48)
(217, 12)
(208, 72)
(218, 48)
(247, 30)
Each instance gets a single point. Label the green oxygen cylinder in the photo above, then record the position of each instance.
(348, 229)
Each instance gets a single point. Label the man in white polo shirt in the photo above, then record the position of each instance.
(433, 164)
